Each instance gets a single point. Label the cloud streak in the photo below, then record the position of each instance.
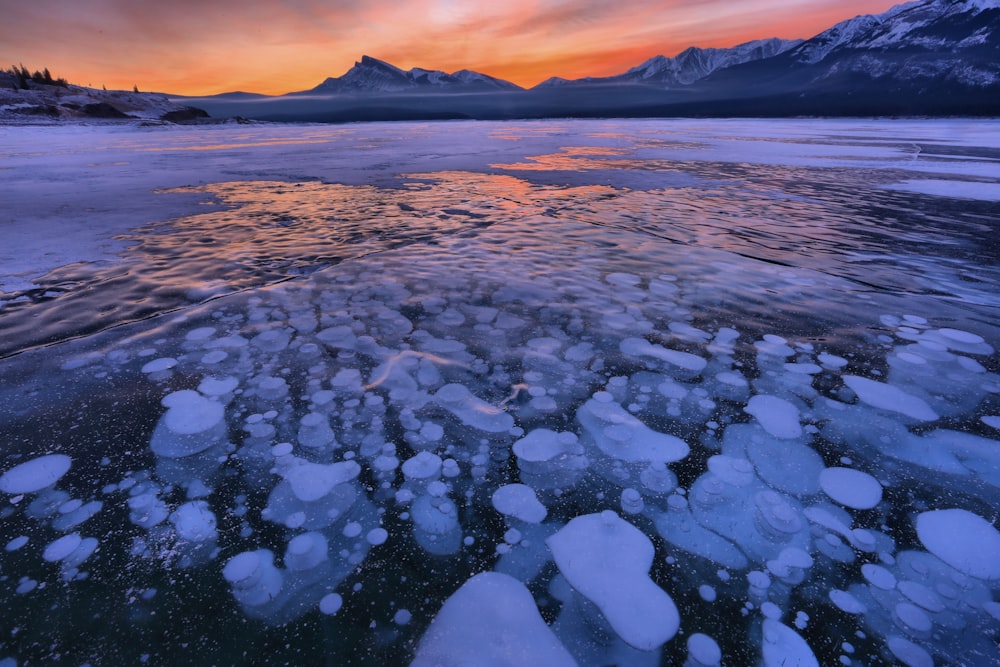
(274, 46)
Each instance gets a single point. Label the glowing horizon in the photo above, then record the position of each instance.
(204, 47)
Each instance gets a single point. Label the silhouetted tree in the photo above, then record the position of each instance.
(135, 89)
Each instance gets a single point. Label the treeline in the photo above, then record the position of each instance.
(22, 76)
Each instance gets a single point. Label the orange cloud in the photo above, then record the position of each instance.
(276, 46)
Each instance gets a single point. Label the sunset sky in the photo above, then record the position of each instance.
(276, 46)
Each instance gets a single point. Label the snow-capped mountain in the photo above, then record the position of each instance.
(942, 29)
(929, 47)
(371, 75)
(694, 63)
(688, 66)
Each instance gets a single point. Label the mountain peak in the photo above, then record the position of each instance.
(371, 75)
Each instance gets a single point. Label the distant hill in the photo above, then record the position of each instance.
(37, 99)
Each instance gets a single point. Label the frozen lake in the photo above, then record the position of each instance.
(604, 392)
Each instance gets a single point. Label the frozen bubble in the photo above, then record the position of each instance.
(35, 475)
(519, 501)
(607, 560)
(199, 334)
(640, 347)
(312, 481)
(402, 617)
(851, 488)
(189, 412)
(889, 397)
(331, 604)
(353, 529)
(621, 435)
(783, 646)
(214, 357)
(771, 610)
(831, 361)
(425, 465)
(921, 595)
(623, 279)
(878, 576)
(473, 411)
(491, 620)
(543, 445)
(703, 650)
(631, 501)
(377, 536)
(963, 540)
(194, 521)
(16, 543)
(992, 421)
(24, 587)
(846, 602)
(803, 368)
(158, 365)
(707, 593)
(306, 551)
(779, 417)
(909, 653)
(913, 617)
(62, 547)
(212, 386)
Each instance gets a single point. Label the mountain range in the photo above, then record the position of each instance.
(925, 57)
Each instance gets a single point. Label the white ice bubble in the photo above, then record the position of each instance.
(189, 412)
(878, 576)
(621, 435)
(377, 536)
(491, 621)
(331, 604)
(61, 548)
(908, 653)
(35, 475)
(703, 650)
(161, 364)
(16, 543)
(520, 502)
(889, 397)
(782, 646)
(684, 361)
(846, 602)
(966, 541)
(992, 421)
(851, 488)
(607, 560)
(779, 417)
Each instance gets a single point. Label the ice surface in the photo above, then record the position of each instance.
(34, 475)
(607, 560)
(490, 621)
(966, 541)
(340, 427)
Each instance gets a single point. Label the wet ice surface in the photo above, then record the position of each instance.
(623, 392)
